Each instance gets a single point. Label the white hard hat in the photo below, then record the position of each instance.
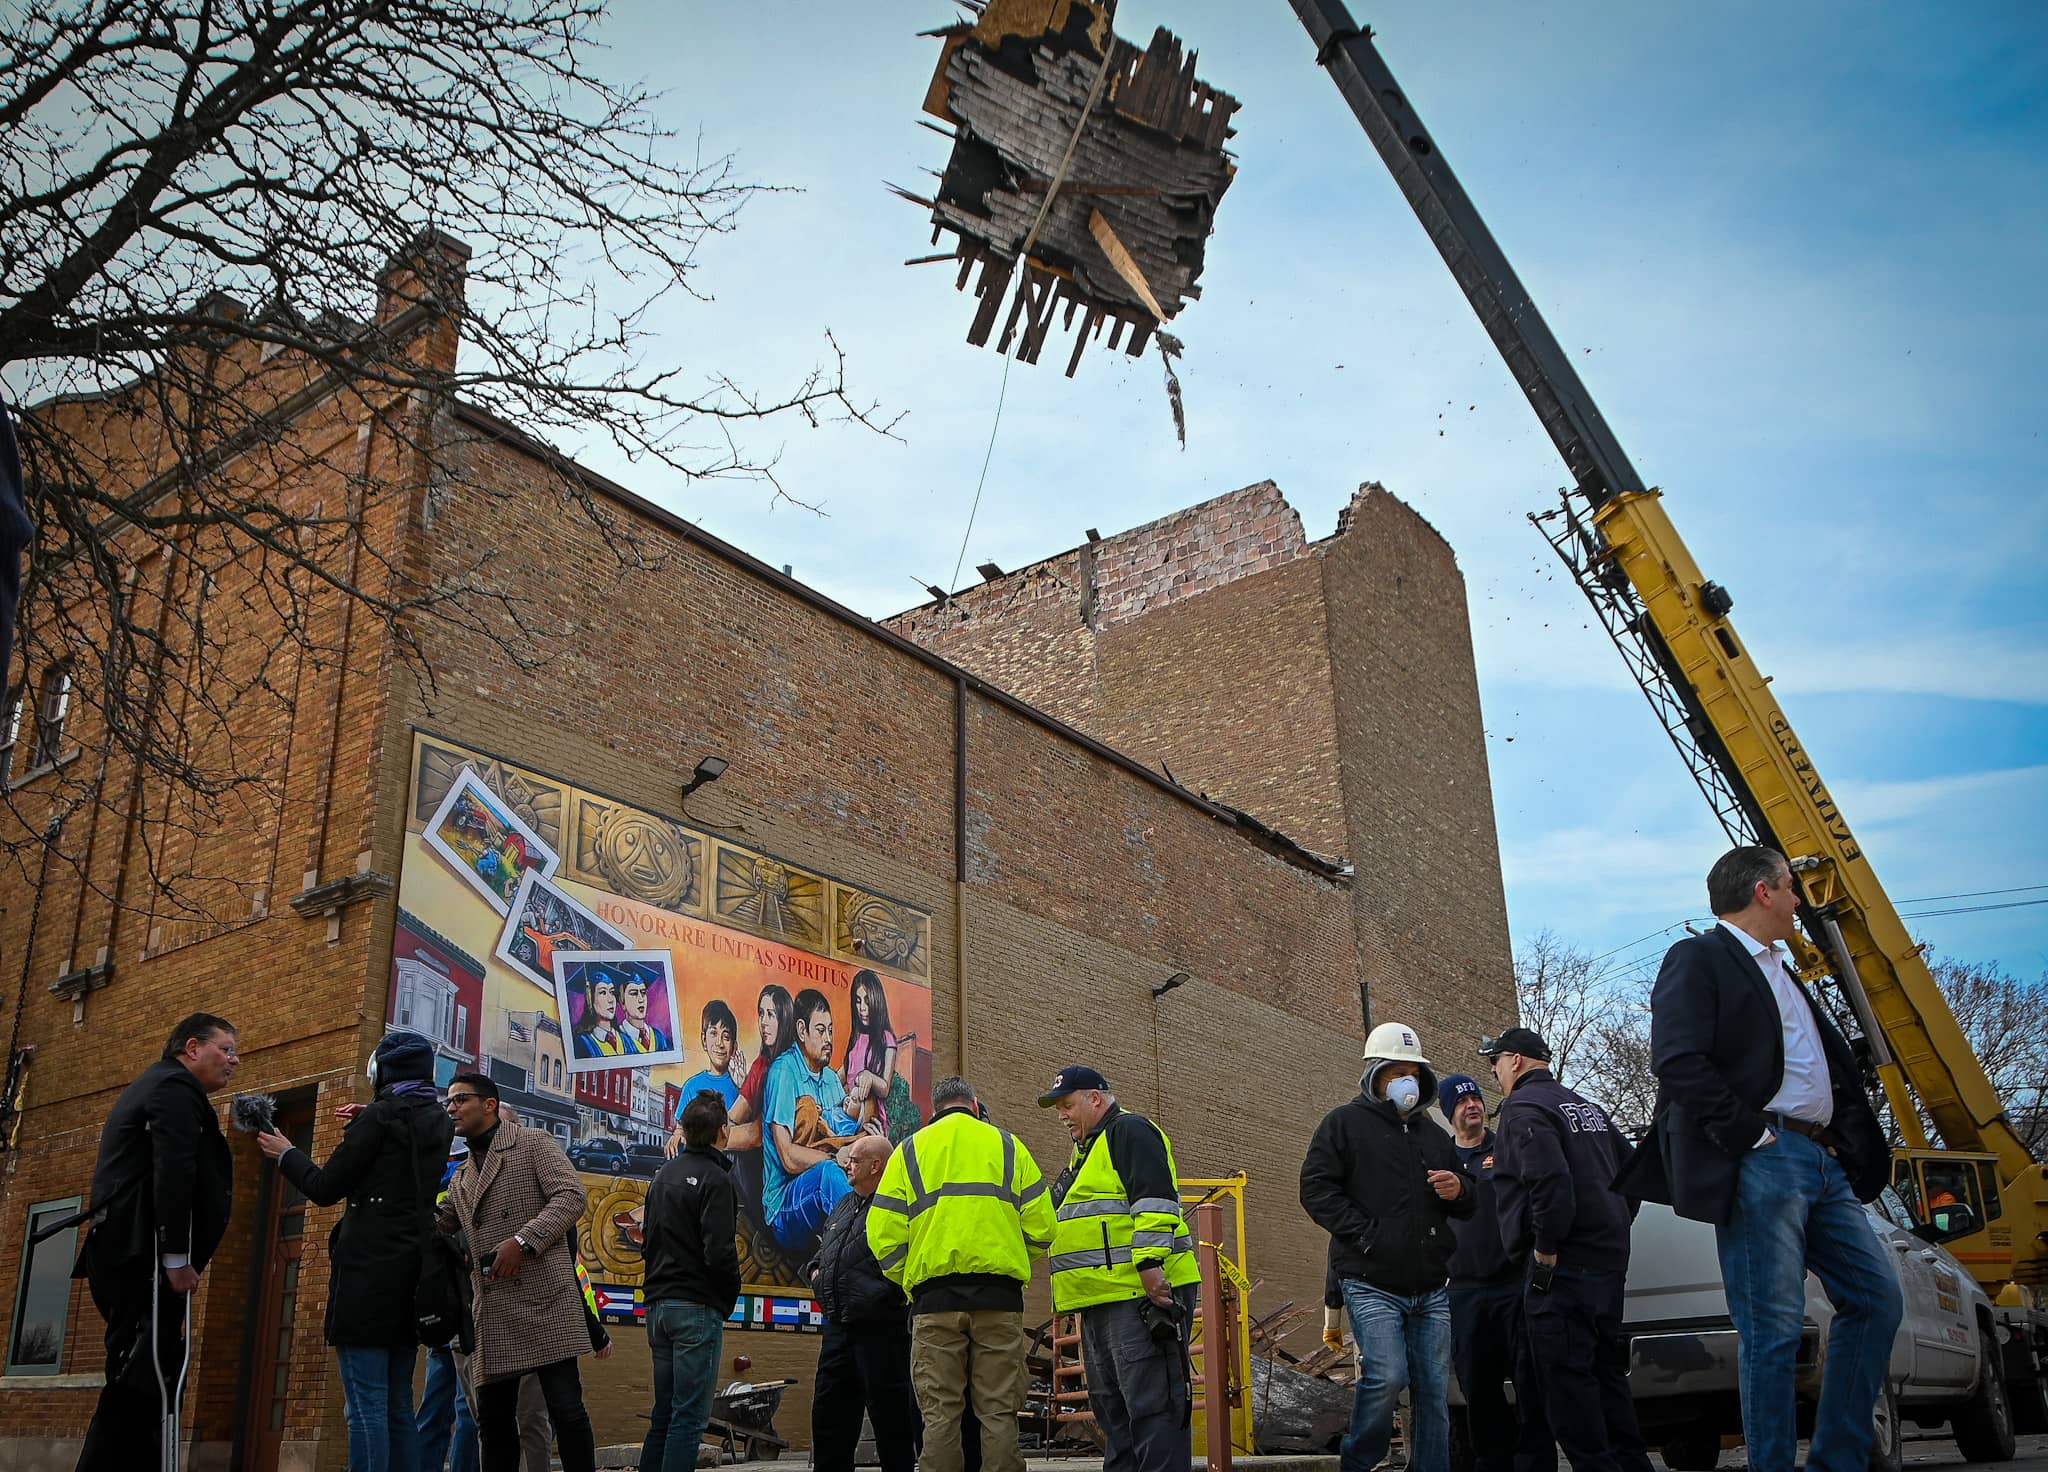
(1394, 1042)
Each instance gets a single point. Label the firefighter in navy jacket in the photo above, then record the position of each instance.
(1555, 1161)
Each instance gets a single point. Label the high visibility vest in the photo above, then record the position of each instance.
(959, 1196)
(1102, 1237)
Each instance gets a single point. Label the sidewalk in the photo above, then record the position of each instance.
(629, 1456)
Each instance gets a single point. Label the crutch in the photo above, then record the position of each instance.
(170, 1393)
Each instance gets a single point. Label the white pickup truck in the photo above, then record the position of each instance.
(1682, 1345)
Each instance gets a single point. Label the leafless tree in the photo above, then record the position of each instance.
(201, 208)
(2001, 1016)
(1596, 1020)
(1598, 1027)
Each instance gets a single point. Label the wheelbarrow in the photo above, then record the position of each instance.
(743, 1420)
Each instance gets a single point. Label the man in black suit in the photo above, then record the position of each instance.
(160, 1199)
(1762, 1128)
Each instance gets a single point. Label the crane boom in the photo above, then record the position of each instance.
(1671, 625)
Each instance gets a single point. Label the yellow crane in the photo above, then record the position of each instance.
(1980, 1191)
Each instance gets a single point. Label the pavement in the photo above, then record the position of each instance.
(1928, 1449)
(1925, 1450)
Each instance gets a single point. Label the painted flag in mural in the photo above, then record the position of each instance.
(14, 535)
(521, 1033)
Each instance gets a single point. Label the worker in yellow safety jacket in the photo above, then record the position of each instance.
(1122, 1256)
(960, 1215)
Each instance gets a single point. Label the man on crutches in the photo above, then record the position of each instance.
(161, 1191)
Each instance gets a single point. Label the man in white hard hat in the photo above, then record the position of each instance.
(1383, 1180)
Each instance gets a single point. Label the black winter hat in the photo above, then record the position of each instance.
(402, 1056)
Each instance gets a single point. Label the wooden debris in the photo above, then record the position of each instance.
(1030, 85)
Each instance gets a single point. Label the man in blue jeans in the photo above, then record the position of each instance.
(1762, 1128)
(447, 1431)
(693, 1280)
(1384, 1181)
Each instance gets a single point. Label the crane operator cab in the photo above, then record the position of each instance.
(1951, 1195)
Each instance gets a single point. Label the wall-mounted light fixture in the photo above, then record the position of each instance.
(708, 770)
(1177, 979)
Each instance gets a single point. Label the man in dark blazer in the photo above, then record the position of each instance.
(1763, 1129)
(160, 1196)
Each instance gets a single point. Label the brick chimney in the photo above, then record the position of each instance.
(430, 273)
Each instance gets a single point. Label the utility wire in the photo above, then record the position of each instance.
(1972, 894)
(1974, 909)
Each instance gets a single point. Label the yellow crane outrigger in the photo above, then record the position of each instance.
(1980, 1191)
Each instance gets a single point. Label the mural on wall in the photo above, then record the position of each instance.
(603, 965)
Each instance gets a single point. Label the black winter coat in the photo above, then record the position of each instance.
(687, 1231)
(164, 1179)
(389, 1166)
(1366, 1182)
(845, 1276)
(1555, 1164)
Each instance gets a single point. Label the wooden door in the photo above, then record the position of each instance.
(279, 1247)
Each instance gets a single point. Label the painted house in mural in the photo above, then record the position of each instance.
(1015, 871)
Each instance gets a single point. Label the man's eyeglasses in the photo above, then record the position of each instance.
(454, 1099)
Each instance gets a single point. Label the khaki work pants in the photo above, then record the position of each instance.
(942, 1346)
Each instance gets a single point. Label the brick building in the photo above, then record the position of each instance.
(1326, 688)
(973, 808)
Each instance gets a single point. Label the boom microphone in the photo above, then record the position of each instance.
(254, 1114)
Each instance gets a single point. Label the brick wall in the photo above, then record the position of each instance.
(1086, 882)
(1327, 688)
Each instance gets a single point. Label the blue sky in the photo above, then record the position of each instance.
(1796, 250)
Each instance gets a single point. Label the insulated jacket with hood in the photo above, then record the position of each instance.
(389, 1166)
(1365, 1181)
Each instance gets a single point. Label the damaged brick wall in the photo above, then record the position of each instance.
(1327, 688)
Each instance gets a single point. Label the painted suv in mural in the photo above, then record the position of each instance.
(644, 1161)
(600, 1156)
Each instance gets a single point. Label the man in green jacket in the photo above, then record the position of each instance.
(1122, 1257)
(960, 1215)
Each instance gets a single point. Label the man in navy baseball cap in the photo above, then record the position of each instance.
(1072, 1079)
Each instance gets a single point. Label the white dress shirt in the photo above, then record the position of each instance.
(1804, 1091)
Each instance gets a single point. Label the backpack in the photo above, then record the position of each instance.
(440, 1304)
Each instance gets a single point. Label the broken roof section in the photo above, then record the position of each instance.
(1103, 173)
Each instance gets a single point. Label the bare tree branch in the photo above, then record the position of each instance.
(229, 302)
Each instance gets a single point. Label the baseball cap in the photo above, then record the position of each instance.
(1454, 1087)
(1526, 1041)
(1073, 1077)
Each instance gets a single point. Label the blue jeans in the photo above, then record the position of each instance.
(445, 1409)
(685, 1338)
(1403, 1343)
(1793, 1211)
(806, 1202)
(376, 1392)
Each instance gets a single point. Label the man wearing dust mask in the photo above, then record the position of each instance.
(1383, 1179)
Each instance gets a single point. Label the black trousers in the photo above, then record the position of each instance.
(127, 1426)
(864, 1368)
(1580, 1356)
(497, 1419)
(1487, 1351)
